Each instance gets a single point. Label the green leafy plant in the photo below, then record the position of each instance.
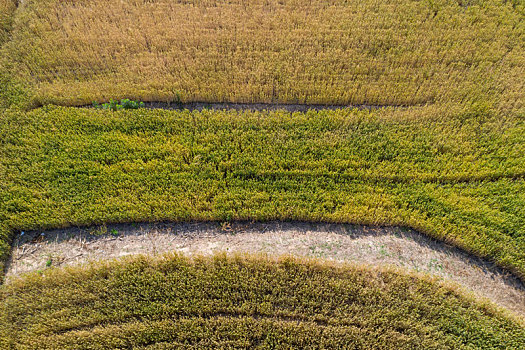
(129, 104)
(115, 105)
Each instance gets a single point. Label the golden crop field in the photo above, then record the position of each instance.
(239, 303)
(396, 52)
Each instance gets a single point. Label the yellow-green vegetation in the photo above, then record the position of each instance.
(220, 303)
(450, 164)
(458, 178)
(398, 52)
(7, 9)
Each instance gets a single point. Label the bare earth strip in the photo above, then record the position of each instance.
(290, 107)
(399, 247)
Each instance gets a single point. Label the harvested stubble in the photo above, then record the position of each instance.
(457, 179)
(398, 52)
(174, 302)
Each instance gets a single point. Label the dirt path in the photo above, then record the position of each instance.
(370, 245)
(290, 107)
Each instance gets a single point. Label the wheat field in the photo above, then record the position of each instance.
(245, 303)
(395, 52)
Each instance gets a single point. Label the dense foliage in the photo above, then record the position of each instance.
(458, 179)
(398, 52)
(219, 303)
(7, 9)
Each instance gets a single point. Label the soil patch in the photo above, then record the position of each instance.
(37, 250)
(297, 107)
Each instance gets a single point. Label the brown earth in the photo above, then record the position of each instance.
(289, 107)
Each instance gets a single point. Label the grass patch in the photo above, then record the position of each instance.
(457, 179)
(221, 302)
(398, 52)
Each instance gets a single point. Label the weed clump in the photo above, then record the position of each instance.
(115, 105)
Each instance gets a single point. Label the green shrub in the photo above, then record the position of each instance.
(114, 105)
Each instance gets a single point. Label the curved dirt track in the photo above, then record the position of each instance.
(346, 243)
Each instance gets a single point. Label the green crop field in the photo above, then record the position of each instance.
(221, 303)
(438, 145)
(459, 179)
